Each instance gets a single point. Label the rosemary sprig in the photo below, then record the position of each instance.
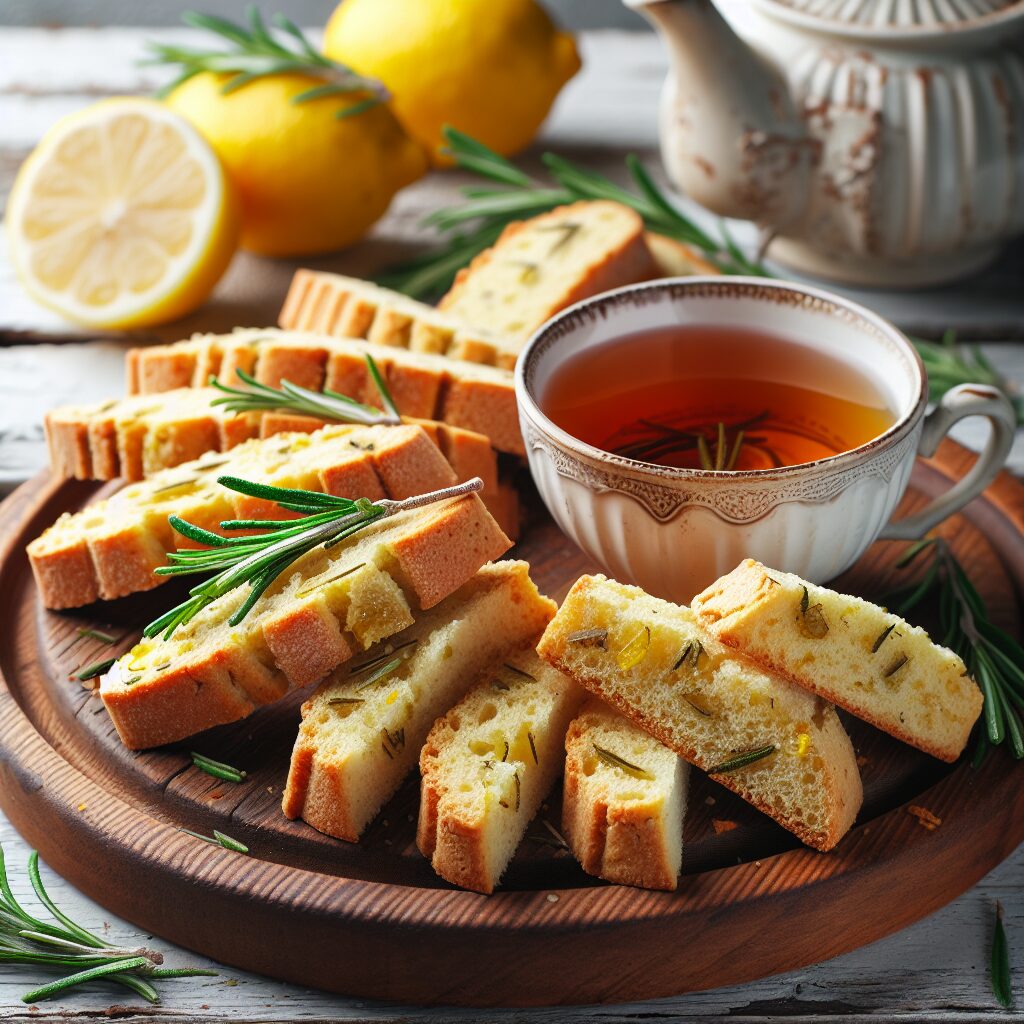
(65, 947)
(98, 668)
(487, 211)
(613, 760)
(97, 634)
(258, 560)
(255, 52)
(992, 656)
(999, 971)
(217, 769)
(325, 405)
(218, 839)
(743, 759)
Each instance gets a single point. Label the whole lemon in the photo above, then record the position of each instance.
(491, 68)
(309, 181)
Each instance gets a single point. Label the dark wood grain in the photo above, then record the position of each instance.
(372, 919)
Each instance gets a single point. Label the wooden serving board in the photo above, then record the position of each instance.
(373, 920)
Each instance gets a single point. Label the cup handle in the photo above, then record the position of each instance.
(956, 404)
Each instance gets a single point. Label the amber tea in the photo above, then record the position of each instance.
(714, 398)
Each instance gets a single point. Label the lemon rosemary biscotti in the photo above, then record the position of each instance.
(777, 745)
(111, 548)
(362, 730)
(487, 765)
(867, 660)
(346, 307)
(424, 385)
(326, 607)
(539, 266)
(623, 800)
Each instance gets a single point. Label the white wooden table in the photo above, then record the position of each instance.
(934, 971)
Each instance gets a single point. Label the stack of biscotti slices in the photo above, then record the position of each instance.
(111, 548)
(424, 386)
(775, 744)
(331, 604)
(623, 800)
(332, 304)
(851, 652)
(363, 728)
(487, 765)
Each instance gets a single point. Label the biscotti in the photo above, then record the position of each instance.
(623, 800)
(778, 746)
(542, 265)
(867, 660)
(677, 259)
(362, 730)
(323, 610)
(110, 548)
(346, 307)
(487, 765)
(424, 386)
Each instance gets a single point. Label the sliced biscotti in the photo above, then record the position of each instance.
(362, 730)
(867, 660)
(487, 765)
(328, 606)
(425, 386)
(775, 744)
(349, 308)
(111, 548)
(623, 800)
(139, 435)
(539, 266)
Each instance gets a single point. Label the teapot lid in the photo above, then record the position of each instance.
(908, 16)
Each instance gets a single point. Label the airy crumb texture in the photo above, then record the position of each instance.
(624, 822)
(487, 765)
(542, 265)
(424, 385)
(111, 548)
(867, 660)
(363, 728)
(651, 660)
(327, 607)
(347, 307)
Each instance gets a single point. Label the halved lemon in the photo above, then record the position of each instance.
(122, 216)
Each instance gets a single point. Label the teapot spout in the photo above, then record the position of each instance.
(731, 137)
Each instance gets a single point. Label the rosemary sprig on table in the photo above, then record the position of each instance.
(325, 405)
(254, 52)
(218, 839)
(257, 561)
(993, 658)
(999, 969)
(476, 224)
(65, 947)
(218, 769)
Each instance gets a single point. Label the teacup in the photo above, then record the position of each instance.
(674, 531)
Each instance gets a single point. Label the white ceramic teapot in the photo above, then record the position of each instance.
(881, 142)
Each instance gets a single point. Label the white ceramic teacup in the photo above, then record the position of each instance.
(674, 531)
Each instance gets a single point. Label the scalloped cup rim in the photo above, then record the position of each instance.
(530, 407)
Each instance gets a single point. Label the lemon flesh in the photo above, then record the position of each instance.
(122, 216)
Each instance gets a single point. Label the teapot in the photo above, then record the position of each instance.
(875, 142)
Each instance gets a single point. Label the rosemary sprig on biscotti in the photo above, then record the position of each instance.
(993, 658)
(256, 561)
(324, 405)
(66, 948)
(254, 51)
(487, 210)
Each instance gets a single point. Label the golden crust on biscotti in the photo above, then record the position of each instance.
(540, 266)
(620, 828)
(865, 659)
(360, 737)
(709, 705)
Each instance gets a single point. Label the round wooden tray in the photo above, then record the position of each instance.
(373, 920)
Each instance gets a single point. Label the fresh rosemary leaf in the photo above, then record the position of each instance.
(97, 634)
(255, 52)
(1002, 986)
(742, 760)
(217, 769)
(98, 668)
(381, 673)
(613, 760)
(218, 839)
(882, 637)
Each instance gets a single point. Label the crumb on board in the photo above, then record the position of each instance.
(551, 898)
(925, 818)
(721, 825)
(710, 801)
(862, 761)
